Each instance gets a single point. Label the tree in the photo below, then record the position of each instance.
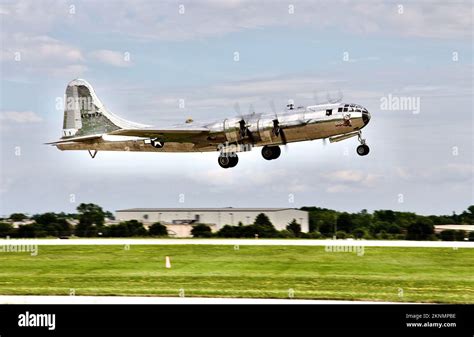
(117, 231)
(126, 229)
(45, 218)
(460, 235)
(285, 233)
(422, 229)
(201, 231)
(263, 227)
(381, 226)
(341, 235)
(468, 216)
(157, 229)
(344, 222)
(31, 231)
(18, 217)
(64, 227)
(109, 215)
(394, 229)
(321, 219)
(385, 215)
(135, 228)
(262, 219)
(53, 224)
(471, 209)
(448, 235)
(360, 233)
(230, 231)
(91, 220)
(6, 229)
(471, 236)
(294, 227)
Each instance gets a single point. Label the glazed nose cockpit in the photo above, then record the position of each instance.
(365, 116)
(356, 108)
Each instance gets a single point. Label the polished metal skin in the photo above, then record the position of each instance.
(89, 126)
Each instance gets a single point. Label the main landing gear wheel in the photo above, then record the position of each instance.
(363, 150)
(271, 152)
(228, 160)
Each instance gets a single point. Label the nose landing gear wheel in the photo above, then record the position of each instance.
(363, 150)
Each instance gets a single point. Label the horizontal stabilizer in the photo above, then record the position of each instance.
(75, 139)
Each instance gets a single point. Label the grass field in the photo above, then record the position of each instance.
(381, 274)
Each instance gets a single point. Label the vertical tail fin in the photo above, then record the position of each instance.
(84, 113)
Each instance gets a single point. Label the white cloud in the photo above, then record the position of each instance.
(39, 49)
(343, 180)
(337, 188)
(202, 19)
(20, 117)
(448, 173)
(26, 54)
(111, 57)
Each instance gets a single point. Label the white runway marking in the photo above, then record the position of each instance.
(239, 242)
(14, 299)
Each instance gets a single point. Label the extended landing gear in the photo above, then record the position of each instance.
(271, 152)
(228, 160)
(92, 153)
(363, 149)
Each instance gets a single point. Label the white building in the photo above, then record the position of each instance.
(179, 221)
(467, 228)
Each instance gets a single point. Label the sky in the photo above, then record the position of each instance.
(144, 58)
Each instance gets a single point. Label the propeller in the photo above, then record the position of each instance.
(251, 109)
(277, 130)
(243, 126)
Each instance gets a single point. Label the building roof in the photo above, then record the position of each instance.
(224, 209)
(455, 227)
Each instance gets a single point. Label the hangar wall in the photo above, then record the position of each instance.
(216, 217)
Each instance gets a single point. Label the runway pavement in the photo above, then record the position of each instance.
(239, 242)
(16, 299)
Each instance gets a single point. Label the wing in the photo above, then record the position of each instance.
(171, 134)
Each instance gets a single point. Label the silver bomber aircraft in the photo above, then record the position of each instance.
(88, 125)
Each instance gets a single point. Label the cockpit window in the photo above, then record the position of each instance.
(328, 112)
(339, 110)
(345, 109)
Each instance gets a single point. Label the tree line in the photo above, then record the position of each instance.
(323, 223)
(386, 224)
